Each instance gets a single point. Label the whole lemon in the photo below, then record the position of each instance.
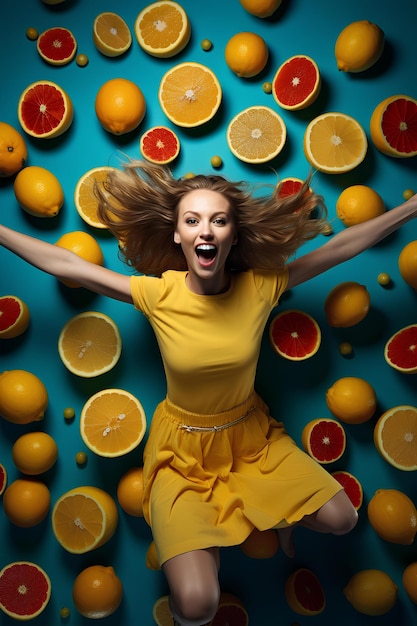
(26, 502)
(246, 54)
(23, 397)
(393, 516)
(347, 304)
(34, 453)
(120, 106)
(84, 245)
(410, 581)
(97, 591)
(371, 592)
(359, 46)
(261, 8)
(13, 150)
(358, 203)
(38, 191)
(407, 264)
(351, 399)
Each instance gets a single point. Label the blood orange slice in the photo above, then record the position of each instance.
(45, 110)
(3, 478)
(288, 186)
(14, 317)
(393, 126)
(57, 46)
(159, 145)
(295, 335)
(324, 439)
(231, 612)
(352, 487)
(304, 592)
(25, 589)
(401, 350)
(296, 83)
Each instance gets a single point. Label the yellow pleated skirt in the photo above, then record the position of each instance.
(209, 480)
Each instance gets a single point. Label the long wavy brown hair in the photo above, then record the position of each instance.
(139, 205)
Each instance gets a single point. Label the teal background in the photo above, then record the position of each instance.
(295, 391)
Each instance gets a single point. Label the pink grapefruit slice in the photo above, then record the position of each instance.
(14, 317)
(288, 186)
(393, 126)
(3, 478)
(57, 46)
(231, 612)
(400, 351)
(45, 110)
(297, 83)
(324, 439)
(304, 592)
(352, 487)
(25, 589)
(295, 335)
(159, 145)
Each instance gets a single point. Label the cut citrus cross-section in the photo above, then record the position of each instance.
(304, 593)
(84, 518)
(295, 335)
(112, 422)
(288, 186)
(256, 134)
(395, 437)
(159, 145)
(111, 34)
(45, 110)
(296, 83)
(3, 478)
(25, 590)
(231, 610)
(401, 350)
(352, 487)
(57, 46)
(85, 199)
(190, 94)
(14, 317)
(163, 29)
(324, 439)
(335, 143)
(393, 126)
(89, 344)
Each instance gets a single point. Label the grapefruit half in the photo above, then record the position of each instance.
(231, 611)
(45, 110)
(296, 83)
(57, 46)
(400, 351)
(25, 589)
(3, 478)
(324, 439)
(14, 317)
(159, 145)
(352, 487)
(304, 593)
(393, 126)
(295, 335)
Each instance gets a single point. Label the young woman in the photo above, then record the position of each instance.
(213, 259)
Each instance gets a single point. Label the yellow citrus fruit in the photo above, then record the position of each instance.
(297, 83)
(407, 263)
(395, 437)
(13, 150)
(256, 134)
(335, 143)
(130, 491)
(161, 612)
(246, 54)
(352, 400)
(261, 8)
(89, 344)
(120, 106)
(45, 110)
(261, 544)
(359, 46)
(393, 516)
(112, 422)
(359, 203)
(392, 126)
(189, 94)
(38, 191)
(347, 304)
(111, 34)
(97, 591)
(85, 199)
(26, 502)
(152, 561)
(23, 397)
(34, 453)
(410, 581)
(304, 592)
(14, 317)
(83, 244)
(84, 518)
(371, 592)
(163, 29)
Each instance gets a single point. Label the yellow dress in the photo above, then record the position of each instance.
(216, 464)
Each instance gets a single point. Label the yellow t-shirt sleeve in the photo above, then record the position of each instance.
(271, 286)
(145, 293)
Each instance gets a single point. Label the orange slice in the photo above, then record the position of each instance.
(57, 46)
(324, 439)
(14, 317)
(159, 145)
(295, 335)
(163, 29)
(84, 519)
(395, 437)
(45, 110)
(25, 590)
(400, 351)
(85, 199)
(90, 344)
(335, 143)
(289, 185)
(190, 94)
(352, 487)
(296, 83)
(304, 593)
(393, 126)
(161, 612)
(256, 134)
(3, 478)
(112, 422)
(111, 34)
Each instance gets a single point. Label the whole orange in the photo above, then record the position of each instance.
(34, 453)
(410, 581)
(130, 491)
(393, 516)
(407, 264)
(120, 106)
(13, 150)
(23, 397)
(26, 502)
(246, 54)
(97, 591)
(347, 304)
(84, 245)
(261, 8)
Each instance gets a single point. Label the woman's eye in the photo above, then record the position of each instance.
(191, 220)
(220, 220)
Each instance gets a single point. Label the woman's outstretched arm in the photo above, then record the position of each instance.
(350, 242)
(66, 265)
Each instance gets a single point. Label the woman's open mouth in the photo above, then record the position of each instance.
(206, 253)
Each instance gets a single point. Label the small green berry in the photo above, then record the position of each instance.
(32, 33)
(81, 458)
(345, 348)
(69, 413)
(216, 161)
(408, 193)
(206, 45)
(64, 612)
(267, 87)
(81, 60)
(384, 279)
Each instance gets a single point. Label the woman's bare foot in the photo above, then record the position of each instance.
(286, 540)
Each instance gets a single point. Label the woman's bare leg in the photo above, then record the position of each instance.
(194, 586)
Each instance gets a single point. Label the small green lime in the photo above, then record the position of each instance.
(189, 175)
(81, 458)
(64, 612)
(408, 193)
(81, 60)
(32, 33)
(69, 413)
(345, 348)
(216, 161)
(384, 279)
(206, 44)
(267, 87)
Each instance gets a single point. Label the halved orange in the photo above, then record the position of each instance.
(289, 185)
(231, 610)
(400, 351)
(85, 199)
(159, 145)
(111, 34)
(25, 590)
(161, 612)
(84, 519)
(57, 45)
(189, 94)
(393, 126)
(14, 317)
(45, 110)
(335, 143)
(324, 439)
(256, 134)
(89, 344)
(297, 83)
(3, 478)
(112, 422)
(352, 487)
(163, 29)
(295, 335)
(304, 592)
(395, 437)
